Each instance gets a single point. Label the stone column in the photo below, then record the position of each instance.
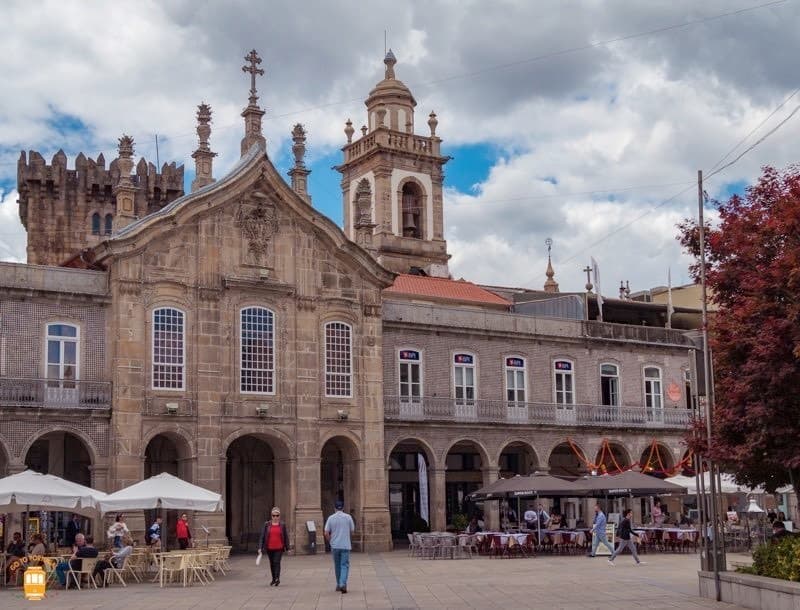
(437, 499)
(491, 516)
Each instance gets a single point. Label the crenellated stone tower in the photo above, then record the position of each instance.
(392, 182)
(67, 210)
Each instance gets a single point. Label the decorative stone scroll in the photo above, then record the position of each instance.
(258, 220)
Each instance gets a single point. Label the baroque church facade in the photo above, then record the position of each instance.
(238, 338)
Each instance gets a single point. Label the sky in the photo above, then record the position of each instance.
(584, 121)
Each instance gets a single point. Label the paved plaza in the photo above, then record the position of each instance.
(394, 580)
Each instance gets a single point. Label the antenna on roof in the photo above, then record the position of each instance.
(384, 42)
(158, 162)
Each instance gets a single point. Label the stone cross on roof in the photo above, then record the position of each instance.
(253, 59)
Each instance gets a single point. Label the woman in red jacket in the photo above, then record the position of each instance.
(274, 542)
(182, 532)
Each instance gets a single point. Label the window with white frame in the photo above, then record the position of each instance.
(652, 388)
(609, 384)
(257, 351)
(338, 359)
(464, 378)
(62, 354)
(564, 386)
(169, 348)
(410, 375)
(515, 379)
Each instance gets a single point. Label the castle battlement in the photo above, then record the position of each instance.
(67, 210)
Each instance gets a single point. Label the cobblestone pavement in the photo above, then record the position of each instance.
(394, 580)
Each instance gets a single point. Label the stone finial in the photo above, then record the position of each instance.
(390, 60)
(550, 285)
(588, 271)
(432, 123)
(124, 190)
(299, 173)
(349, 131)
(362, 215)
(203, 156)
(252, 113)
(299, 145)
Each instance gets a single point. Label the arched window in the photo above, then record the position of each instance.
(564, 387)
(338, 360)
(62, 355)
(410, 361)
(169, 348)
(411, 210)
(257, 351)
(464, 380)
(95, 224)
(609, 384)
(109, 224)
(652, 388)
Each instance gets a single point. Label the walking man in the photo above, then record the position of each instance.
(599, 531)
(338, 528)
(625, 539)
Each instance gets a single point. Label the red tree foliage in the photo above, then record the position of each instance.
(753, 273)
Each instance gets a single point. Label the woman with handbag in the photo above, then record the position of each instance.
(274, 542)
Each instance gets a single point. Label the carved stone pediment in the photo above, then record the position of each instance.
(257, 218)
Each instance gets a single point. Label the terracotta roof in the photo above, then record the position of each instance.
(446, 289)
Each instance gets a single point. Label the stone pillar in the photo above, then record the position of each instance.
(124, 190)
(437, 499)
(491, 516)
(203, 157)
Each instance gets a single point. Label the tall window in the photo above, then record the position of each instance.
(410, 375)
(464, 378)
(95, 224)
(412, 210)
(652, 388)
(515, 379)
(109, 224)
(338, 360)
(609, 384)
(169, 348)
(564, 384)
(62, 355)
(257, 351)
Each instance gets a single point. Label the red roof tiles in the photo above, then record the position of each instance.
(444, 289)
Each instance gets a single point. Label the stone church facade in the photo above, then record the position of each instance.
(236, 337)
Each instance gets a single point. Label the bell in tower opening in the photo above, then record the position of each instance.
(412, 211)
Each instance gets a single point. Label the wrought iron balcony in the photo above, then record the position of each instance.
(507, 412)
(54, 393)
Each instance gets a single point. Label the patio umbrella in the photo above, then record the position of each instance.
(528, 486)
(162, 491)
(628, 483)
(728, 484)
(33, 491)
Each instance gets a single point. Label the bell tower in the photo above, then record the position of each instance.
(392, 182)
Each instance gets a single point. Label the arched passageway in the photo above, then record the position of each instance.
(464, 462)
(340, 477)
(257, 477)
(409, 488)
(172, 454)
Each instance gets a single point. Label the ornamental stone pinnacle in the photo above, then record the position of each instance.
(125, 190)
(252, 113)
(203, 156)
(299, 173)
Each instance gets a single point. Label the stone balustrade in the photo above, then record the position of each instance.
(55, 393)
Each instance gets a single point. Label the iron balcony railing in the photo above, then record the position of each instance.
(54, 393)
(508, 412)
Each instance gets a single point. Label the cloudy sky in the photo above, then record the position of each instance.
(583, 121)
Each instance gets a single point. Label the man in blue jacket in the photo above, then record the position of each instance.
(599, 531)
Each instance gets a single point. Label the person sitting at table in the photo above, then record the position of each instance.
(84, 547)
(473, 527)
(779, 531)
(555, 521)
(656, 514)
(782, 516)
(16, 547)
(37, 548)
(115, 560)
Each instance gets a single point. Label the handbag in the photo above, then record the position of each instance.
(258, 559)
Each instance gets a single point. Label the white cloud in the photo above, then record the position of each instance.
(12, 234)
(646, 111)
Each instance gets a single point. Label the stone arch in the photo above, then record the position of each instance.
(258, 474)
(349, 435)
(170, 451)
(174, 432)
(404, 492)
(412, 206)
(340, 473)
(562, 460)
(463, 475)
(5, 457)
(482, 451)
(527, 460)
(94, 454)
(427, 449)
(657, 461)
(612, 457)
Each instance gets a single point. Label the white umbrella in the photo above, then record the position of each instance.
(33, 491)
(165, 491)
(728, 484)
